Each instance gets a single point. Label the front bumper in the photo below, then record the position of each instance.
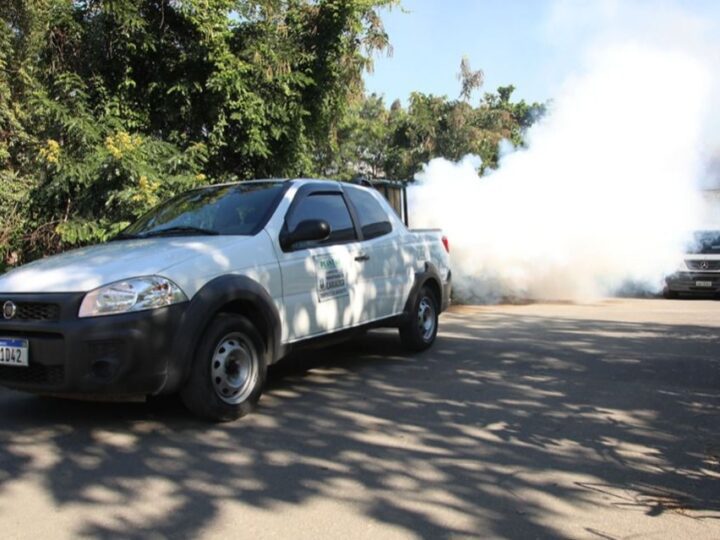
(116, 355)
(694, 282)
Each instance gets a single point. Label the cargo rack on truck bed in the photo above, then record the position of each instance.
(395, 191)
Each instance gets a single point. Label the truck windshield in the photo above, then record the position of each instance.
(238, 209)
(706, 242)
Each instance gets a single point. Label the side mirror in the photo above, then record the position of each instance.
(310, 230)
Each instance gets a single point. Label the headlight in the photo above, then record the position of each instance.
(135, 294)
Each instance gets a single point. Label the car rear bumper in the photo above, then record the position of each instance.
(116, 355)
(694, 282)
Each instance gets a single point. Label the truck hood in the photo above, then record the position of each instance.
(84, 269)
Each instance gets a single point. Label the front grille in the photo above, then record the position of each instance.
(33, 374)
(36, 311)
(703, 264)
(693, 276)
(112, 348)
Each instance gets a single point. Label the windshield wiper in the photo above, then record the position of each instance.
(169, 231)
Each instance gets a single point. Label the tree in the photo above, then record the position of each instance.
(107, 108)
(469, 80)
(396, 142)
(363, 140)
(94, 129)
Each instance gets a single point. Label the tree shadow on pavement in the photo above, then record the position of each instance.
(505, 423)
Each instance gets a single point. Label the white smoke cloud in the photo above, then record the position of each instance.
(606, 191)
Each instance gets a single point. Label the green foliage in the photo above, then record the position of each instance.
(364, 138)
(92, 173)
(107, 108)
(395, 143)
(14, 202)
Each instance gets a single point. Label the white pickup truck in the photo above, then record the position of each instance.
(204, 292)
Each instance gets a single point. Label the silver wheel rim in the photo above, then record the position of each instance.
(426, 319)
(234, 368)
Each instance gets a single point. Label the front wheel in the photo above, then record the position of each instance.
(420, 330)
(228, 372)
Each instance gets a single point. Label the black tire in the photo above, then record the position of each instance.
(231, 356)
(415, 334)
(668, 294)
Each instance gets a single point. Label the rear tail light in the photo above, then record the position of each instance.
(446, 243)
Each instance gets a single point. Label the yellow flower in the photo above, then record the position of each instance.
(51, 151)
(114, 150)
(121, 143)
(146, 192)
(200, 177)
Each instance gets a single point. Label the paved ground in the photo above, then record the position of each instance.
(599, 421)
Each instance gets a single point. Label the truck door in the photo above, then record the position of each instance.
(383, 276)
(319, 277)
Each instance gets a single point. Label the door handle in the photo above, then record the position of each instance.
(362, 257)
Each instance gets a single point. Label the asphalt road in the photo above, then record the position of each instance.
(592, 421)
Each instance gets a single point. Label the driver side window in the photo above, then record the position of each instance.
(330, 207)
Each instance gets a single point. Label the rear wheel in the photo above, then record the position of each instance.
(228, 372)
(420, 330)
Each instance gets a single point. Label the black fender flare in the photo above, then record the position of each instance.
(210, 300)
(430, 273)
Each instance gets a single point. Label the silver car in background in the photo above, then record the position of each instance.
(700, 272)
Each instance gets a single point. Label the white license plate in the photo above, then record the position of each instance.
(703, 283)
(14, 352)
